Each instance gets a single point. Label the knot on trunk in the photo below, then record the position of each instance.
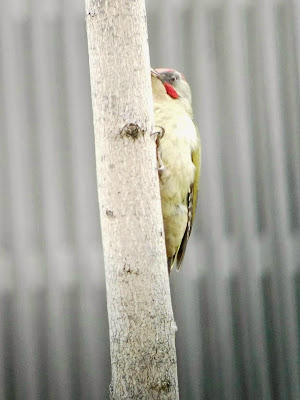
(132, 130)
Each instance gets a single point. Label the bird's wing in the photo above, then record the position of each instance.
(191, 205)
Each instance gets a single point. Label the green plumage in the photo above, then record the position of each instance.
(196, 158)
(179, 151)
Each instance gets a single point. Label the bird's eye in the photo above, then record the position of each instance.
(173, 78)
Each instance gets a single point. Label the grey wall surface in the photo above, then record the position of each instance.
(236, 299)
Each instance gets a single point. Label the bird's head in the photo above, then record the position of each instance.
(176, 86)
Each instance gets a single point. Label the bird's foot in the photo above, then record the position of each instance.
(158, 135)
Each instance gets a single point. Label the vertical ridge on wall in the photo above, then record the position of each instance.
(284, 267)
(246, 219)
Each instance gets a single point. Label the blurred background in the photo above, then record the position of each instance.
(236, 298)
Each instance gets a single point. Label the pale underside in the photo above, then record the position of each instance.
(179, 142)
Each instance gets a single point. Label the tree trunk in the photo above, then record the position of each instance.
(141, 322)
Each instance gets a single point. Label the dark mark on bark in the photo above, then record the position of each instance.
(132, 130)
(127, 269)
(110, 214)
(163, 386)
(111, 391)
(90, 14)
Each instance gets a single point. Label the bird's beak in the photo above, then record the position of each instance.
(155, 73)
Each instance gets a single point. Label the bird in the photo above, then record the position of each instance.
(178, 158)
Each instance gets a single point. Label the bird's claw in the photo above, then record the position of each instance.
(158, 134)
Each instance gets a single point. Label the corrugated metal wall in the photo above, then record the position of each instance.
(237, 296)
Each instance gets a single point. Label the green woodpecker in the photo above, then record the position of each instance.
(178, 155)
